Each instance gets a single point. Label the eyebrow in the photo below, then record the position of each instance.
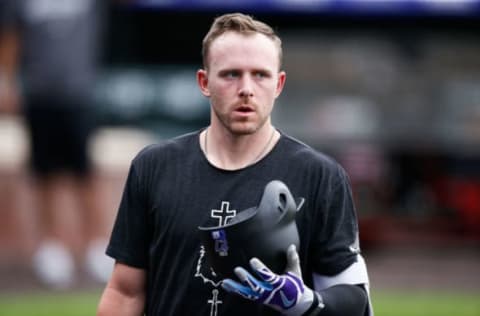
(258, 70)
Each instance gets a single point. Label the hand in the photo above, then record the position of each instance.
(285, 293)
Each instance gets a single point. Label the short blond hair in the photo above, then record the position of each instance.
(240, 23)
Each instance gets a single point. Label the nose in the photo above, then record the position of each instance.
(245, 93)
(246, 89)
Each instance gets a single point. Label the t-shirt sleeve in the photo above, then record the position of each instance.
(129, 239)
(335, 246)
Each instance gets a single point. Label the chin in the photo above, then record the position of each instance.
(243, 130)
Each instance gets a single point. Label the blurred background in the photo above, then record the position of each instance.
(391, 89)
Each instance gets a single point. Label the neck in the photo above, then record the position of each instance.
(233, 152)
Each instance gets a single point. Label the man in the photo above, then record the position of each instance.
(175, 187)
(50, 47)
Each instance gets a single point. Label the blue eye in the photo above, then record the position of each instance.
(232, 74)
(260, 75)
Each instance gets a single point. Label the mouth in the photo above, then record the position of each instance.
(244, 109)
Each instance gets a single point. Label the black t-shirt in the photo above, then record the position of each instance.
(172, 189)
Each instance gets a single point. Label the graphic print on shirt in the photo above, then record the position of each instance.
(224, 214)
(203, 270)
(221, 243)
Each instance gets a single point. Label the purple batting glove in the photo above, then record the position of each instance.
(285, 293)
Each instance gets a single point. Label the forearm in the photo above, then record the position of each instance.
(339, 300)
(114, 302)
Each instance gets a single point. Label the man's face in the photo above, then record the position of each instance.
(242, 81)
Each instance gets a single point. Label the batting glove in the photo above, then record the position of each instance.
(285, 293)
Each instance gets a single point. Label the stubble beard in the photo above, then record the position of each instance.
(239, 127)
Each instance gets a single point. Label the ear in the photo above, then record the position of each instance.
(282, 76)
(202, 81)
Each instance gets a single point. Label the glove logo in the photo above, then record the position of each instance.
(287, 303)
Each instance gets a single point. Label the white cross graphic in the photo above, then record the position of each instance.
(224, 214)
(214, 302)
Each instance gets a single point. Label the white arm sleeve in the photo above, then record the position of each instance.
(356, 273)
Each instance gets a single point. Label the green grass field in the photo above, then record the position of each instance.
(47, 304)
(386, 303)
(426, 304)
